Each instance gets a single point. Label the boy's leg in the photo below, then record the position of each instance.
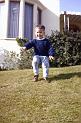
(35, 64)
(45, 66)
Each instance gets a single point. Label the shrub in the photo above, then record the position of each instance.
(67, 47)
(25, 59)
(25, 55)
(21, 42)
(10, 60)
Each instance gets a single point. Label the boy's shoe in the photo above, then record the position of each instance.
(46, 79)
(35, 78)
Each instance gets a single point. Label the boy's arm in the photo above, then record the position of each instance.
(28, 45)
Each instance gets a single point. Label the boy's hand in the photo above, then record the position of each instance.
(51, 58)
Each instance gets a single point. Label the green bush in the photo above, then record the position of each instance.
(21, 42)
(25, 60)
(67, 47)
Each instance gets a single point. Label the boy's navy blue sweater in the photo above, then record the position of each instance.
(41, 47)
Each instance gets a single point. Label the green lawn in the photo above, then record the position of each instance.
(25, 101)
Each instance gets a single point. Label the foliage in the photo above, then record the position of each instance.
(21, 42)
(67, 47)
(10, 60)
(25, 58)
(25, 55)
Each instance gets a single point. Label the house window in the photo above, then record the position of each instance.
(38, 16)
(28, 24)
(13, 25)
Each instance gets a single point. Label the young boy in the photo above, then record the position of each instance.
(43, 51)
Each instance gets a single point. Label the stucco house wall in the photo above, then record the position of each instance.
(49, 17)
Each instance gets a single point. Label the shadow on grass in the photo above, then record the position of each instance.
(65, 76)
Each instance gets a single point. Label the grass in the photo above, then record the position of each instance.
(24, 101)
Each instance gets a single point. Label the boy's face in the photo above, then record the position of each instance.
(39, 33)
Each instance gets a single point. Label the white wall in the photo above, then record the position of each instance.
(10, 45)
(51, 21)
(52, 5)
(50, 15)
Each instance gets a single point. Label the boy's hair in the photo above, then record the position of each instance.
(40, 27)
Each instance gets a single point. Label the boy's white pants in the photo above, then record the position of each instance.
(44, 60)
